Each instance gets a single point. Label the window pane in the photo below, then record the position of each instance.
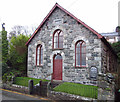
(78, 50)
(60, 45)
(78, 45)
(55, 45)
(37, 60)
(60, 41)
(61, 33)
(56, 34)
(83, 44)
(81, 53)
(84, 59)
(60, 38)
(38, 55)
(78, 54)
(83, 48)
(56, 39)
(41, 59)
(41, 51)
(78, 59)
(41, 55)
(58, 57)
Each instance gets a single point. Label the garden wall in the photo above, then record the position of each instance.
(17, 88)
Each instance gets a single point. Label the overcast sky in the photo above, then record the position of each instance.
(101, 15)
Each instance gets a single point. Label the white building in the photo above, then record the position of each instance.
(112, 37)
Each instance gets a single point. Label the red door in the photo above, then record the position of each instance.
(57, 67)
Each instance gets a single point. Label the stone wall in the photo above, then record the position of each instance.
(106, 90)
(98, 55)
(17, 88)
(109, 60)
(65, 97)
(73, 32)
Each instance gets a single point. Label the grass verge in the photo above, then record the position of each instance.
(23, 81)
(78, 89)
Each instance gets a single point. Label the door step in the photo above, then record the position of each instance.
(56, 83)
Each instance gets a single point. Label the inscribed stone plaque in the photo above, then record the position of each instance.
(93, 72)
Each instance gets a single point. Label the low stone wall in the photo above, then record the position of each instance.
(105, 91)
(65, 96)
(17, 88)
(105, 94)
(106, 86)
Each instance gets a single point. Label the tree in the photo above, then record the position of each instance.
(18, 53)
(4, 49)
(116, 47)
(18, 29)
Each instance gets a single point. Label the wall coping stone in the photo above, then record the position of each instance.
(19, 86)
(15, 87)
(71, 96)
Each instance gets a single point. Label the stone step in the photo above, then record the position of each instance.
(56, 83)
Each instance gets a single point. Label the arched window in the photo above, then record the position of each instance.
(39, 55)
(80, 54)
(58, 39)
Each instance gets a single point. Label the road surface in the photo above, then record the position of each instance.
(12, 96)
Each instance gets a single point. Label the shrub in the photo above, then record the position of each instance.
(4, 78)
(4, 68)
(7, 77)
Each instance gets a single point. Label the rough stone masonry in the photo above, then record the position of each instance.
(98, 54)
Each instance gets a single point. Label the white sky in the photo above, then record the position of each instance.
(101, 15)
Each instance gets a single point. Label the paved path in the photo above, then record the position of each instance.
(11, 96)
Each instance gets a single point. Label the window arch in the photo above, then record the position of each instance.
(80, 54)
(58, 39)
(39, 55)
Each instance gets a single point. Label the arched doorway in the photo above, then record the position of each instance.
(57, 67)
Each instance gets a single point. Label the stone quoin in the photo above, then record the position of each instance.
(65, 48)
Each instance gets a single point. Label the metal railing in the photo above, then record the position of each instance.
(81, 90)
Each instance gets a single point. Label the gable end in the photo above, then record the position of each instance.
(51, 11)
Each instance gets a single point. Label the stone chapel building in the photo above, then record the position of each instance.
(65, 48)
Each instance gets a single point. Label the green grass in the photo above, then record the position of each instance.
(23, 81)
(78, 89)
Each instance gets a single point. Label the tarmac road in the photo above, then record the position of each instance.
(12, 96)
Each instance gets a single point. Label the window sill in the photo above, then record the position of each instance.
(39, 65)
(80, 66)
